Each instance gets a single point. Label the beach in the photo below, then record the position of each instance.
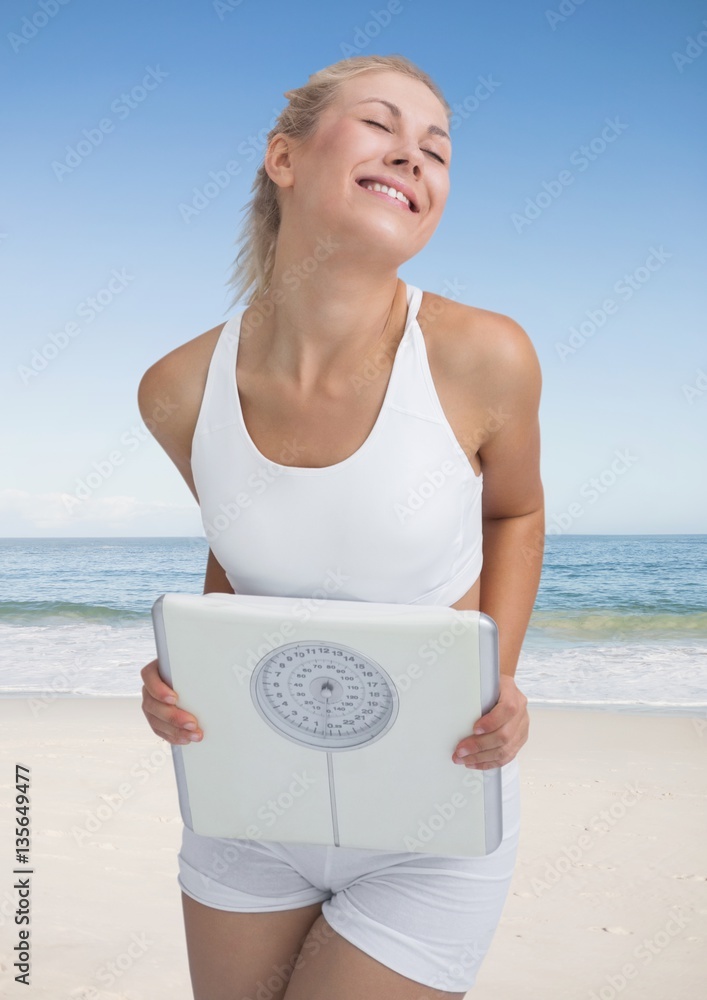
(608, 897)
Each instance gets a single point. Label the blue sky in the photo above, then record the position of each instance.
(599, 249)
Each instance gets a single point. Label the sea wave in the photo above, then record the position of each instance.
(552, 625)
(35, 612)
(605, 625)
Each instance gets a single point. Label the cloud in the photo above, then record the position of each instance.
(23, 513)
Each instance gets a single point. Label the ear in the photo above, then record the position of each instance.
(278, 161)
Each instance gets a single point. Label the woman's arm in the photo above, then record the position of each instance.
(513, 515)
(513, 503)
(510, 578)
(174, 386)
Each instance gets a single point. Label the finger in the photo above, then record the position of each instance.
(503, 736)
(475, 763)
(163, 734)
(476, 760)
(477, 744)
(478, 749)
(499, 715)
(171, 719)
(506, 712)
(157, 687)
(491, 758)
(172, 714)
(158, 697)
(173, 734)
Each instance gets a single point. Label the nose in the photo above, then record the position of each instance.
(415, 166)
(411, 154)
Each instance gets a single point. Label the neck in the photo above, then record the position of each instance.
(318, 330)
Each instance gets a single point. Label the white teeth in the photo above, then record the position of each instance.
(391, 191)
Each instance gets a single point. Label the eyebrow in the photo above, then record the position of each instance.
(395, 110)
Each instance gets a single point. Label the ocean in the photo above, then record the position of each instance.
(619, 623)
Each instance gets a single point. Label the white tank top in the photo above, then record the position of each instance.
(399, 521)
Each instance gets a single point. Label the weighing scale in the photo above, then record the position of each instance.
(332, 722)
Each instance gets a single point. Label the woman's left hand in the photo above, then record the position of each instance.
(505, 730)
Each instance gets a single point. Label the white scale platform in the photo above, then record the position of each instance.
(332, 722)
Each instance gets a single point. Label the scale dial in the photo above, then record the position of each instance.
(324, 694)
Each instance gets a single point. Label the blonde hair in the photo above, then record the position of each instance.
(254, 262)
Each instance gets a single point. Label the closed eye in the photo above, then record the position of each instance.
(369, 121)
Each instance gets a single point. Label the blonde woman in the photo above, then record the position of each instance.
(305, 426)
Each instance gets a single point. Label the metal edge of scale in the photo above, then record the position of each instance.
(490, 691)
(166, 674)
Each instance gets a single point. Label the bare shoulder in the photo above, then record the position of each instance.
(480, 347)
(169, 397)
(491, 384)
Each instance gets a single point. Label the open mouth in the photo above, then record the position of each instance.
(409, 205)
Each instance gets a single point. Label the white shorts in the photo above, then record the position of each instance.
(429, 917)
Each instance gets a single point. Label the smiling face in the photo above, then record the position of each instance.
(384, 127)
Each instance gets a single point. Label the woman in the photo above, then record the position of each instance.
(305, 427)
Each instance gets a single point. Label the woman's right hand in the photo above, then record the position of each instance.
(168, 721)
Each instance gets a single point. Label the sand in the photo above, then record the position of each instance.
(609, 896)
